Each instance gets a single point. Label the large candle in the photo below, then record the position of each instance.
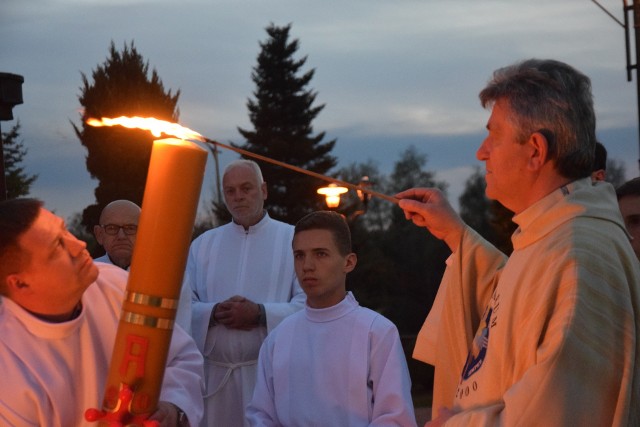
(169, 206)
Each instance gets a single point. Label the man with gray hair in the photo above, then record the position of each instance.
(243, 284)
(549, 336)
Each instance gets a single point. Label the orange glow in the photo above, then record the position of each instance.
(332, 194)
(155, 126)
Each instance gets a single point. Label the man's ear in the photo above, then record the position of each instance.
(350, 262)
(15, 283)
(264, 190)
(539, 146)
(599, 175)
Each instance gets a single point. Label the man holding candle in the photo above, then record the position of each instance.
(549, 336)
(243, 284)
(59, 315)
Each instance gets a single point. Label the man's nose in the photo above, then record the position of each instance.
(308, 264)
(481, 153)
(74, 246)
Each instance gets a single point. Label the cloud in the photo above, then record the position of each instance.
(390, 73)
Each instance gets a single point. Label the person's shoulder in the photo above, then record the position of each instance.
(211, 232)
(111, 278)
(209, 235)
(287, 324)
(378, 321)
(104, 258)
(278, 223)
(109, 270)
(293, 318)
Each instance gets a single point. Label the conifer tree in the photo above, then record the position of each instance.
(18, 182)
(118, 157)
(282, 114)
(488, 217)
(474, 205)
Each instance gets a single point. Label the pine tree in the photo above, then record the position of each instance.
(281, 114)
(118, 157)
(475, 206)
(18, 182)
(488, 217)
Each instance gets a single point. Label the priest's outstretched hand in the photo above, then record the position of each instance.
(429, 208)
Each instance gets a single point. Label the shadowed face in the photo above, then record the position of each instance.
(320, 267)
(244, 195)
(118, 246)
(59, 269)
(630, 210)
(505, 159)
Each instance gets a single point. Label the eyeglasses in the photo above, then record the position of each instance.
(114, 229)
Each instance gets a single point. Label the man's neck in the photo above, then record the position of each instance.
(540, 188)
(247, 225)
(118, 263)
(62, 317)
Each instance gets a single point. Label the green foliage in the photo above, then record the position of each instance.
(282, 114)
(615, 172)
(75, 227)
(503, 227)
(118, 157)
(488, 217)
(399, 265)
(474, 205)
(377, 210)
(18, 182)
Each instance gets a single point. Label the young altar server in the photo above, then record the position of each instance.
(333, 363)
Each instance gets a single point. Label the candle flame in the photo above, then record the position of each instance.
(155, 126)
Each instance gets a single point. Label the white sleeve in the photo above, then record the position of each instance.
(389, 375)
(183, 383)
(261, 410)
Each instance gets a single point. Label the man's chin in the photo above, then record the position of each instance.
(91, 275)
(121, 254)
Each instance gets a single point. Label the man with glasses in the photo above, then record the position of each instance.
(117, 232)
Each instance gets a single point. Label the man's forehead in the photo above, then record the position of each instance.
(118, 210)
(313, 239)
(118, 216)
(44, 229)
(238, 181)
(630, 204)
(240, 171)
(244, 181)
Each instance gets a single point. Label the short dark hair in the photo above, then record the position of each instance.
(629, 188)
(600, 161)
(330, 221)
(16, 217)
(554, 99)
